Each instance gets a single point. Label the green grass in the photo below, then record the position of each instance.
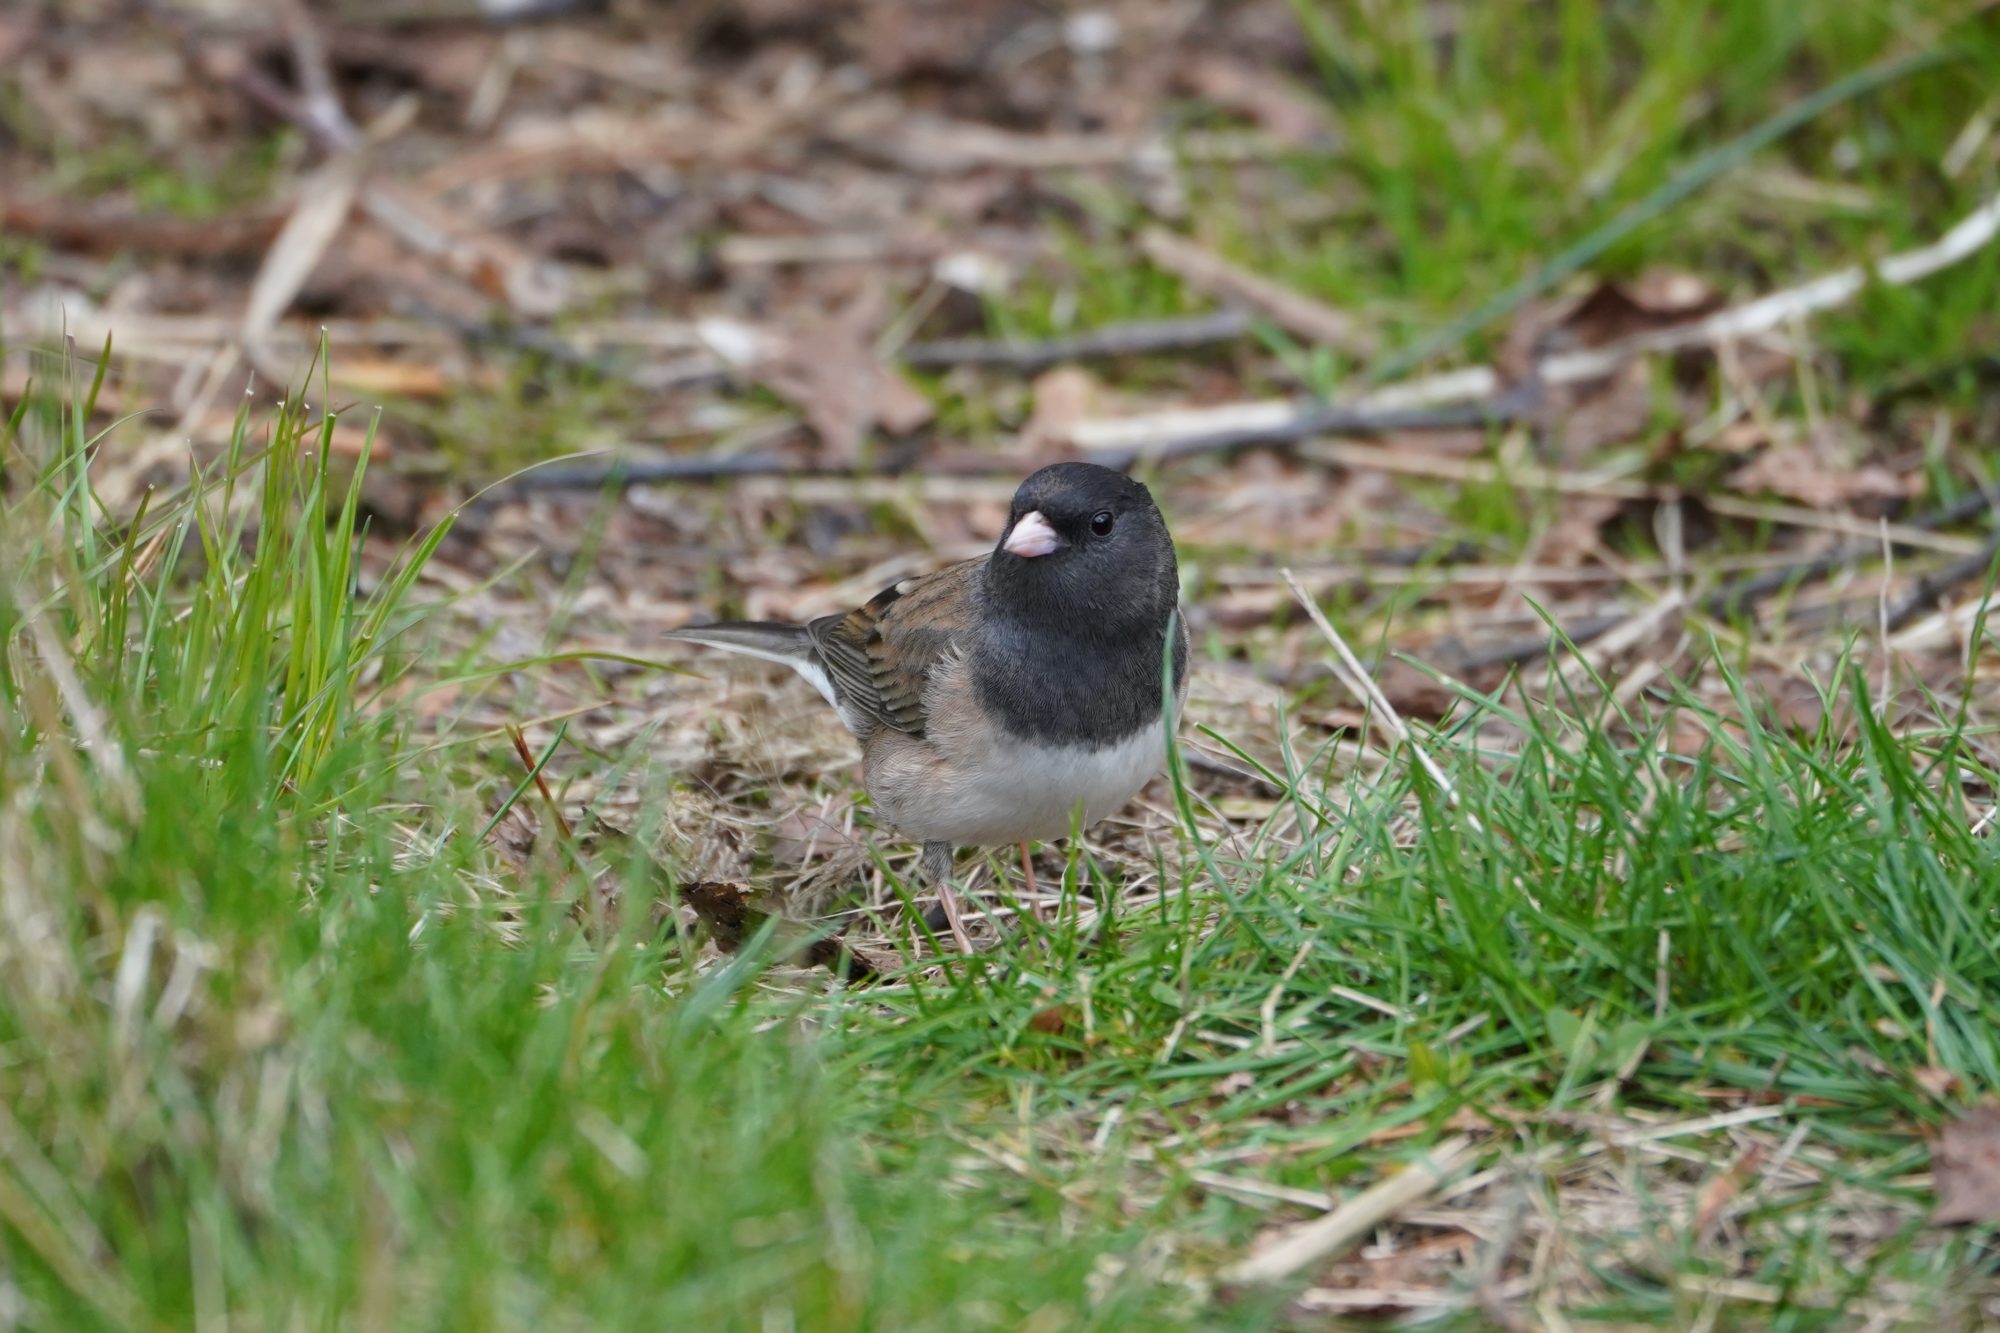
(281, 1039)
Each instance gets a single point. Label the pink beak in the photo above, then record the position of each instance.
(1032, 536)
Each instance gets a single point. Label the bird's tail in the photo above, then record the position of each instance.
(768, 639)
(788, 645)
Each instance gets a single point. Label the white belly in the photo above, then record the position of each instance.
(1022, 791)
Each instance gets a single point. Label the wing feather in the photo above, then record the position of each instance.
(878, 657)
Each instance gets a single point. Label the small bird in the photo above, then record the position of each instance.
(1003, 699)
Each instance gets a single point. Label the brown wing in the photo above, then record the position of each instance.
(878, 656)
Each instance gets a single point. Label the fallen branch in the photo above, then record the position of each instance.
(883, 130)
(1512, 406)
(1931, 588)
(1313, 1242)
(1145, 435)
(1136, 338)
(1210, 273)
(95, 230)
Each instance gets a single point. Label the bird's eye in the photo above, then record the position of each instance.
(1101, 521)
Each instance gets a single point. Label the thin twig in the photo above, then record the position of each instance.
(534, 775)
(1295, 312)
(1743, 593)
(541, 784)
(93, 228)
(1330, 419)
(319, 101)
(1135, 338)
(1931, 588)
(1321, 1238)
(581, 476)
(1467, 384)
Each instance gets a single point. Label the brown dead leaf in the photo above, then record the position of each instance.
(1965, 1168)
(936, 36)
(1054, 1020)
(726, 912)
(828, 369)
(1723, 1188)
(1797, 472)
(1741, 438)
(1414, 692)
(1577, 535)
(405, 379)
(1795, 704)
(1063, 397)
(763, 16)
(1939, 1083)
(351, 441)
(1614, 311)
(1611, 411)
(1584, 417)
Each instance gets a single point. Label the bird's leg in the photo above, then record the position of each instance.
(1028, 882)
(937, 869)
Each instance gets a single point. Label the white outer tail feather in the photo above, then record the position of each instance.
(781, 644)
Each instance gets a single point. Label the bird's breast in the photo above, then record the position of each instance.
(970, 781)
(1007, 789)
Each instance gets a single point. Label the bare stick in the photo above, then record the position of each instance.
(1932, 587)
(1295, 312)
(1330, 420)
(1323, 1237)
(1150, 429)
(319, 102)
(1136, 338)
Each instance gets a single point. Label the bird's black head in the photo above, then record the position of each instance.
(1085, 553)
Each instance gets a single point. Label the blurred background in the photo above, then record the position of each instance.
(709, 240)
(947, 240)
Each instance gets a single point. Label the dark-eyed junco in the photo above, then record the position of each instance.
(1003, 699)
